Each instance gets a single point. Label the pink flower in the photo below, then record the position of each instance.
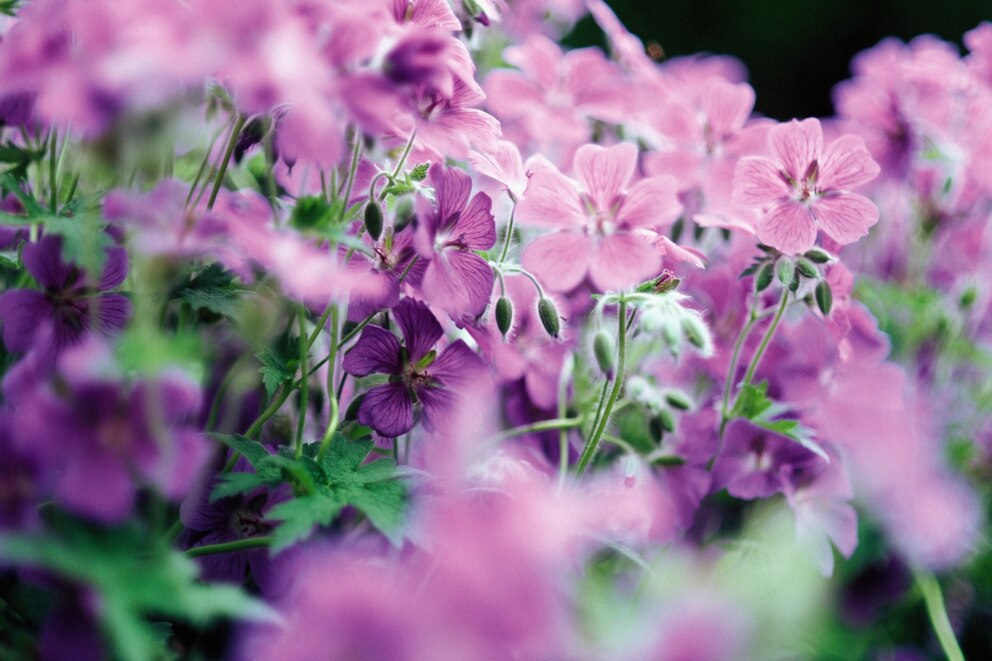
(803, 188)
(603, 226)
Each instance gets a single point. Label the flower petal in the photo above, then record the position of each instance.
(114, 269)
(112, 311)
(550, 200)
(623, 260)
(376, 351)
(797, 144)
(651, 202)
(605, 171)
(847, 164)
(790, 227)
(845, 217)
(21, 311)
(758, 181)
(476, 227)
(420, 328)
(43, 260)
(459, 282)
(387, 409)
(559, 260)
(456, 364)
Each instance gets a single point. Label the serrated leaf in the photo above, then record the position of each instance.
(213, 289)
(312, 212)
(232, 484)
(300, 516)
(419, 173)
(754, 405)
(251, 450)
(274, 370)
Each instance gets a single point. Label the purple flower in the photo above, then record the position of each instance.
(68, 300)
(103, 439)
(417, 374)
(229, 520)
(756, 463)
(456, 279)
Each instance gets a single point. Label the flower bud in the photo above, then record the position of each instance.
(764, 277)
(605, 351)
(666, 420)
(806, 268)
(817, 255)
(373, 220)
(548, 313)
(504, 315)
(824, 297)
(697, 333)
(785, 268)
(678, 399)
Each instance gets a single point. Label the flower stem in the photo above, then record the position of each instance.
(304, 382)
(767, 338)
(229, 547)
(232, 142)
(589, 451)
(400, 163)
(563, 380)
(356, 154)
(937, 611)
(542, 425)
(509, 235)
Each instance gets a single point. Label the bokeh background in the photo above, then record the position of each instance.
(795, 50)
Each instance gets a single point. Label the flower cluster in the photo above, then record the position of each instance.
(333, 317)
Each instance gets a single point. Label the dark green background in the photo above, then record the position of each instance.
(795, 51)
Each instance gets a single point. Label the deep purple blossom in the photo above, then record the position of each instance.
(456, 279)
(756, 463)
(89, 428)
(68, 299)
(418, 376)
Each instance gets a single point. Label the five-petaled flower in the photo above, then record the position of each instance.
(803, 187)
(418, 375)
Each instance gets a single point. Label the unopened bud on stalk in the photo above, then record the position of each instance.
(504, 315)
(667, 420)
(697, 333)
(678, 399)
(548, 313)
(764, 278)
(817, 255)
(785, 268)
(806, 268)
(824, 297)
(605, 350)
(373, 219)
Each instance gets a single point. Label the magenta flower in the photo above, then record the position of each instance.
(418, 376)
(68, 300)
(456, 279)
(604, 229)
(803, 188)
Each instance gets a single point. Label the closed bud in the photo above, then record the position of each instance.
(764, 277)
(794, 285)
(817, 255)
(806, 268)
(504, 315)
(678, 400)
(667, 420)
(655, 429)
(605, 351)
(824, 297)
(548, 313)
(697, 333)
(785, 268)
(373, 220)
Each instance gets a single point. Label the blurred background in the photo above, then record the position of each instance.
(795, 50)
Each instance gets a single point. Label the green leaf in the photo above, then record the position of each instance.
(109, 561)
(9, 7)
(253, 451)
(312, 212)
(275, 370)
(419, 173)
(234, 483)
(301, 515)
(212, 289)
(754, 405)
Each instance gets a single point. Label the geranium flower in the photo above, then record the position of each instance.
(804, 188)
(70, 301)
(418, 376)
(456, 279)
(598, 224)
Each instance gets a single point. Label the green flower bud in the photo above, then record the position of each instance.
(806, 268)
(605, 350)
(785, 268)
(667, 420)
(764, 277)
(824, 297)
(373, 220)
(504, 315)
(817, 255)
(678, 399)
(548, 313)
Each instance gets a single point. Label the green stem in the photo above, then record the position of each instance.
(599, 407)
(304, 382)
(563, 379)
(401, 162)
(205, 161)
(274, 405)
(509, 235)
(232, 142)
(229, 547)
(53, 189)
(767, 338)
(355, 155)
(589, 451)
(937, 611)
(543, 425)
(356, 330)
